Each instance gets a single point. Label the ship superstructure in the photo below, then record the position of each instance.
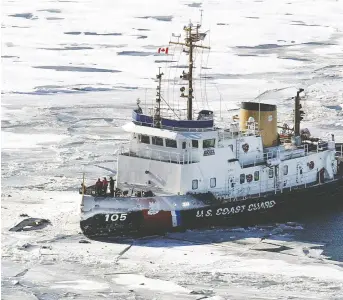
(186, 172)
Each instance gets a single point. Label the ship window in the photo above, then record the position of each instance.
(285, 170)
(195, 144)
(212, 182)
(145, 139)
(271, 173)
(183, 145)
(242, 178)
(171, 143)
(194, 184)
(256, 176)
(208, 143)
(155, 140)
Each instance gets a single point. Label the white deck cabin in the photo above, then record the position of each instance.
(226, 162)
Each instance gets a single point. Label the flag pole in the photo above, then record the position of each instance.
(83, 185)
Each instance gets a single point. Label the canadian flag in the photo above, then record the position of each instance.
(163, 50)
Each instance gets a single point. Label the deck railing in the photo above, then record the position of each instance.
(167, 112)
(261, 187)
(274, 154)
(161, 155)
(180, 128)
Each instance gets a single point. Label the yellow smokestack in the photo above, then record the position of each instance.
(265, 115)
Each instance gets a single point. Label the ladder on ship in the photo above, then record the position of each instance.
(237, 149)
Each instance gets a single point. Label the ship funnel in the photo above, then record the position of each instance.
(265, 115)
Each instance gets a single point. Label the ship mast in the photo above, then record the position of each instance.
(192, 37)
(157, 117)
(298, 114)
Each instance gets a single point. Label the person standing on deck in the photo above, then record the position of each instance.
(111, 187)
(104, 185)
(83, 189)
(98, 187)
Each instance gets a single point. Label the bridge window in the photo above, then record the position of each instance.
(285, 170)
(157, 141)
(145, 139)
(195, 144)
(213, 182)
(171, 143)
(183, 145)
(242, 178)
(194, 184)
(208, 143)
(256, 175)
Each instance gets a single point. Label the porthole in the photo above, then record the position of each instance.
(256, 176)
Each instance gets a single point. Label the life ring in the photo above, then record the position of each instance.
(249, 178)
(245, 147)
(311, 164)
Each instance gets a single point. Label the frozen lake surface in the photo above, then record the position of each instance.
(72, 71)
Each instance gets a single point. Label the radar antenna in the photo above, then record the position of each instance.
(193, 36)
(157, 116)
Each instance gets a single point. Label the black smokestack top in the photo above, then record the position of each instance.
(258, 106)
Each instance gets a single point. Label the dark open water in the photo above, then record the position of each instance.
(325, 228)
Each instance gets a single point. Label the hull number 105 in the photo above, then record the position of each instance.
(115, 217)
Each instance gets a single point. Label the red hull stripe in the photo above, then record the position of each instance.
(161, 219)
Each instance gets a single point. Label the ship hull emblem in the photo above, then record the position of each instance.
(245, 147)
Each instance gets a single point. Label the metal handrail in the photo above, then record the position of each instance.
(276, 154)
(169, 112)
(273, 187)
(339, 153)
(160, 155)
(180, 128)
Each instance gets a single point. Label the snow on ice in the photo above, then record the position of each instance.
(66, 90)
